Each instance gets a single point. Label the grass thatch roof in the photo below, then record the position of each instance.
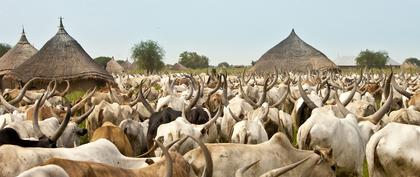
(178, 66)
(113, 67)
(61, 58)
(21, 52)
(293, 54)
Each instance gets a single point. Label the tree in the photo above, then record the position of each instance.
(120, 62)
(148, 55)
(413, 60)
(4, 48)
(368, 58)
(102, 60)
(223, 65)
(193, 60)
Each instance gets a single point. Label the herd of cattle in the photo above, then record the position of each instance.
(182, 125)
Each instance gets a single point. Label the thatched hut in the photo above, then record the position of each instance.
(293, 54)
(128, 66)
(114, 67)
(179, 67)
(62, 58)
(410, 64)
(21, 52)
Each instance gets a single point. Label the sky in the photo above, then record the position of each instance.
(235, 31)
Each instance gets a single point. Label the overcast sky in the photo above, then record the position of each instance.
(236, 31)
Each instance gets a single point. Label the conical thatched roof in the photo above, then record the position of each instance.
(128, 66)
(21, 52)
(178, 66)
(411, 63)
(113, 67)
(293, 54)
(61, 58)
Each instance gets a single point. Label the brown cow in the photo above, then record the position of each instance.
(114, 134)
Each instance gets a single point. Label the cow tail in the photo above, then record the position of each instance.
(374, 166)
(304, 136)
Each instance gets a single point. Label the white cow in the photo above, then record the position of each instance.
(394, 151)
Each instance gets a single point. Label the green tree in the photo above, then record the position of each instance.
(413, 60)
(223, 65)
(4, 48)
(193, 60)
(102, 60)
(120, 62)
(369, 58)
(148, 55)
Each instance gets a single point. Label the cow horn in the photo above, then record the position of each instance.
(225, 87)
(174, 145)
(81, 103)
(214, 90)
(35, 122)
(22, 92)
(377, 116)
(273, 83)
(400, 90)
(237, 119)
(112, 96)
(340, 105)
(191, 87)
(154, 146)
(169, 162)
(282, 98)
(327, 96)
(193, 102)
(350, 97)
(305, 97)
(245, 96)
(264, 116)
(208, 170)
(135, 101)
(264, 94)
(7, 104)
(143, 100)
(64, 92)
(81, 118)
(51, 92)
(243, 77)
(214, 119)
(279, 171)
(240, 172)
(63, 125)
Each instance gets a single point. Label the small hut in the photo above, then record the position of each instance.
(410, 64)
(114, 67)
(21, 52)
(62, 58)
(128, 66)
(293, 54)
(179, 67)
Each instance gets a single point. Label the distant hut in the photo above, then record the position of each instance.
(293, 54)
(128, 66)
(21, 52)
(410, 64)
(179, 67)
(62, 58)
(114, 67)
